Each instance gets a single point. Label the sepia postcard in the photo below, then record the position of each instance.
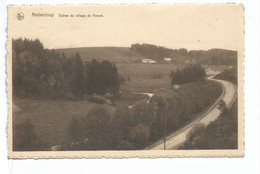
(121, 81)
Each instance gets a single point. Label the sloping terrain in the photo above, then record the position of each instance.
(113, 54)
(229, 75)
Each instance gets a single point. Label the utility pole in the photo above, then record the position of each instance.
(163, 108)
(164, 130)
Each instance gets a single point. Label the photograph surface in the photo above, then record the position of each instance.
(119, 81)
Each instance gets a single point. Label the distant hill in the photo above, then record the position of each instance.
(113, 54)
(214, 56)
(209, 57)
(143, 51)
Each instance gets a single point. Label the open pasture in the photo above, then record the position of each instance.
(141, 77)
(50, 118)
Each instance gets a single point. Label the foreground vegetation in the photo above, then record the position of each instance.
(221, 133)
(82, 125)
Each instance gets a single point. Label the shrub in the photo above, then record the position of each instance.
(25, 137)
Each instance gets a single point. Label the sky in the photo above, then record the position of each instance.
(173, 26)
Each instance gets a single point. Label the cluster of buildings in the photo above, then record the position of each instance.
(148, 61)
(167, 59)
(151, 61)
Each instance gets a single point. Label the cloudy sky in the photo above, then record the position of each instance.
(179, 26)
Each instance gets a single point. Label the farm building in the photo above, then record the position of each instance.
(148, 61)
(167, 59)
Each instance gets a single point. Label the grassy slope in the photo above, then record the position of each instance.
(113, 54)
(51, 118)
(142, 76)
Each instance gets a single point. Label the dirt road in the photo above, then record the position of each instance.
(176, 139)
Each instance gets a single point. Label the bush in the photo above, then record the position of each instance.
(140, 134)
(122, 80)
(75, 130)
(97, 99)
(93, 132)
(25, 137)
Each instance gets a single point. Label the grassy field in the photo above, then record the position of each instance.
(145, 77)
(51, 118)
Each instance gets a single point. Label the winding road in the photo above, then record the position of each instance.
(176, 139)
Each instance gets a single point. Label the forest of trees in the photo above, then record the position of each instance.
(151, 51)
(209, 57)
(189, 73)
(140, 126)
(44, 73)
(214, 57)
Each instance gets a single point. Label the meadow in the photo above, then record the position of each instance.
(141, 77)
(50, 118)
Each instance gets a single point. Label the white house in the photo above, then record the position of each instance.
(148, 61)
(167, 59)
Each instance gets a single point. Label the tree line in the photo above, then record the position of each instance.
(43, 72)
(209, 57)
(189, 73)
